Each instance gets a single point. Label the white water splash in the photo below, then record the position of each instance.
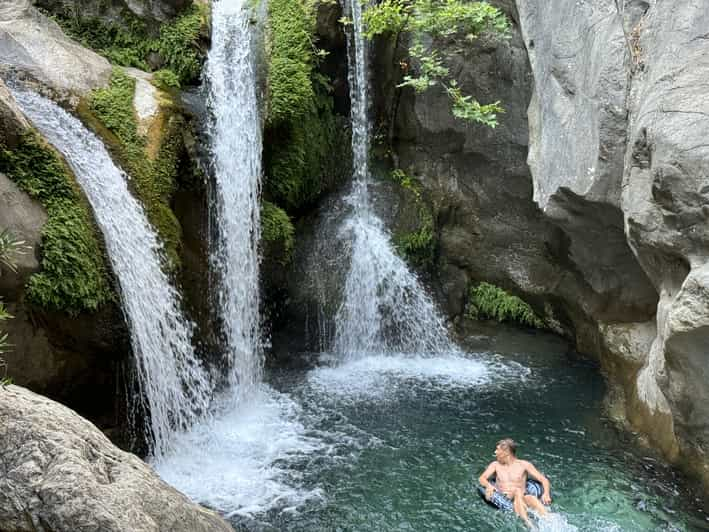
(236, 148)
(172, 382)
(384, 308)
(375, 377)
(236, 461)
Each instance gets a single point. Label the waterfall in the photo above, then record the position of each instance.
(385, 309)
(174, 387)
(236, 149)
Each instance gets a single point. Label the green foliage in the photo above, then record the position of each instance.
(304, 156)
(304, 141)
(418, 246)
(153, 169)
(486, 301)
(130, 44)
(426, 19)
(277, 230)
(166, 79)
(291, 60)
(73, 276)
(177, 44)
(114, 106)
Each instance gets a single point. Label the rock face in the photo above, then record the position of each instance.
(60, 473)
(32, 45)
(157, 10)
(604, 226)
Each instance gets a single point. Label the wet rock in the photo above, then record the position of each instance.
(61, 473)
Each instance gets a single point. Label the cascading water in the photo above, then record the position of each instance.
(385, 309)
(236, 149)
(173, 384)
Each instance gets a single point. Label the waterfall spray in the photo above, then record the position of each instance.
(385, 309)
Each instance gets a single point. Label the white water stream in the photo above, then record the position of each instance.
(385, 309)
(171, 380)
(236, 149)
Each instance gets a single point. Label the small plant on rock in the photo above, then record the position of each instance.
(427, 21)
(487, 301)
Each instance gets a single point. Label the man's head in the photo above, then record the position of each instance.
(505, 449)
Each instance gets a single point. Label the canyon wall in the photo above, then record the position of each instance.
(591, 197)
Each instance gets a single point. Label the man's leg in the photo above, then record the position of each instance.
(535, 504)
(520, 507)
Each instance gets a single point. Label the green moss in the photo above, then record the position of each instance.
(486, 301)
(74, 276)
(417, 246)
(166, 79)
(305, 143)
(130, 43)
(291, 60)
(277, 232)
(151, 162)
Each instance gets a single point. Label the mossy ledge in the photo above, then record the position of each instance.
(74, 276)
(487, 301)
(176, 48)
(151, 160)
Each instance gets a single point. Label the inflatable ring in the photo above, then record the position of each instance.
(499, 501)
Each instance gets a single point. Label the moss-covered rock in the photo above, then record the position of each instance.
(74, 275)
(277, 233)
(416, 239)
(126, 39)
(151, 159)
(306, 145)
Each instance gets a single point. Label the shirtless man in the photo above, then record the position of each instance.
(511, 480)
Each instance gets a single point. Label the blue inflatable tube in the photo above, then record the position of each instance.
(499, 501)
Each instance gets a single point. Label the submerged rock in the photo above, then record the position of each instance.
(60, 473)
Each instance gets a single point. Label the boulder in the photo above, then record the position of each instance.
(33, 46)
(24, 218)
(60, 473)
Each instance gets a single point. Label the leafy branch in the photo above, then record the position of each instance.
(427, 20)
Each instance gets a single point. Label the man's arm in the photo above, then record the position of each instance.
(534, 472)
(485, 479)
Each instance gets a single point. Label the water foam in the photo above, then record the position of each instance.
(237, 461)
(374, 377)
